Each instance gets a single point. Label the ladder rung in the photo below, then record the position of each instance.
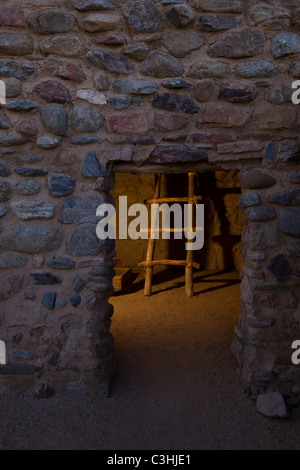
(170, 262)
(173, 199)
(171, 230)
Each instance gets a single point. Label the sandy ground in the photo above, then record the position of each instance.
(177, 386)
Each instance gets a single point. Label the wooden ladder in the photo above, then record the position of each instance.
(189, 263)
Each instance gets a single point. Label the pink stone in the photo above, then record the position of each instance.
(271, 405)
(116, 153)
(111, 39)
(270, 118)
(260, 321)
(241, 147)
(284, 357)
(27, 127)
(15, 282)
(203, 90)
(170, 122)
(135, 123)
(12, 16)
(202, 138)
(218, 115)
(277, 299)
(91, 96)
(246, 292)
(53, 92)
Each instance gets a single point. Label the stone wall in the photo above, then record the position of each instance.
(93, 85)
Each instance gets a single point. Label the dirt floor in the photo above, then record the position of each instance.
(177, 386)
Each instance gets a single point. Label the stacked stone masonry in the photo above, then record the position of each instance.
(92, 84)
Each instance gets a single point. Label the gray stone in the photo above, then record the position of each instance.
(176, 84)
(61, 302)
(104, 346)
(271, 405)
(79, 210)
(174, 102)
(54, 358)
(180, 15)
(124, 103)
(49, 299)
(15, 368)
(261, 213)
(44, 279)
(73, 341)
(21, 106)
(248, 200)
(27, 171)
(55, 119)
(51, 21)
(61, 263)
(3, 211)
(28, 210)
(269, 17)
(236, 44)
(236, 92)
(289, 222)
(294, 177)
(143, 16)
(34, 239)
(288, 198)
(30, 157)
(176, 154)
(280, 267)
(86, 140)
(90, 326)
(104, 271)
(161, 65)
(183, 43)
(76, 386)
(111, 61)
(295, 69)
(18, 44)
(19, 354)
(219, 6)
(12, 260)
(78, 284)
(63, 45)
(262, 236)
(255, 179)
(13, 88)
(91, 166)
(213, 23)
(5, 191)
(85, 119)
(83, 241)
(135, 86)
(4, 170)
(90, 302)
(137, 52)
(104, 183)
(75, 301)
(8, 140)
(101, 81)
(280, 94)
(62, 69)
(288, 152)
(285, 44)
(5, 122)
(21, 70)
(205, 69)
(47, 142)
(61, 185)
(91, 5)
